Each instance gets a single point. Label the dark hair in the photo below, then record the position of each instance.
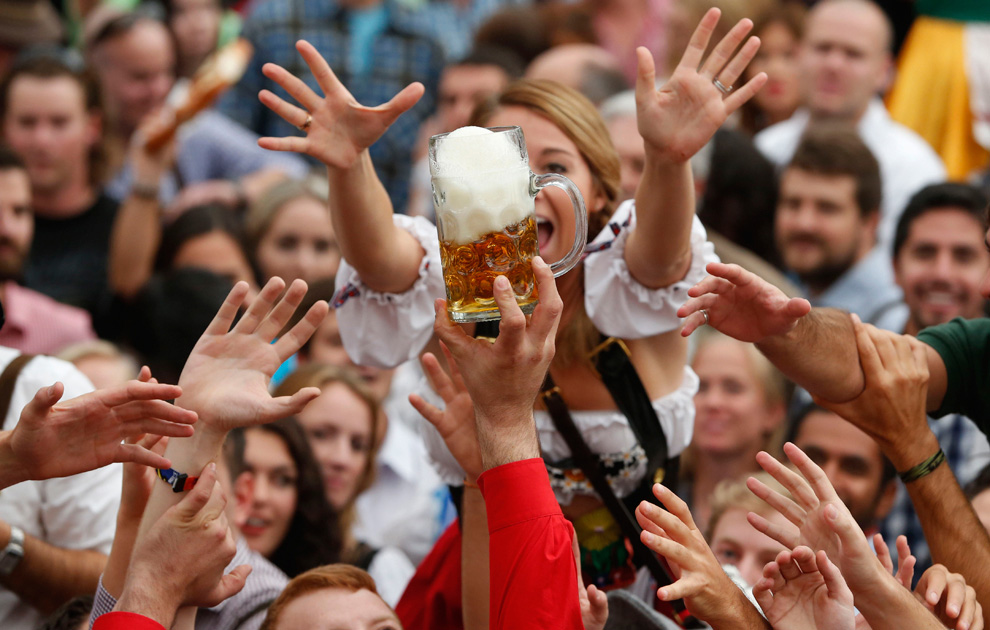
(49, 63)
(969, 199)
(10, 161)
(490, 55)
(233, 452)
(313, 538)
(889, 472)
(116, 25)
(791, 15)
(833, 149)
(70, 615)
(979, 484)
(197, 221)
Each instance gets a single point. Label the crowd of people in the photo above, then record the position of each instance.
(233, 397)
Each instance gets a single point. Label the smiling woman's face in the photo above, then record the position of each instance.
(274, 490)
(551, 151)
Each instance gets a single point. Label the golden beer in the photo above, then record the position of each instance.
(469, 271)
(483, 195)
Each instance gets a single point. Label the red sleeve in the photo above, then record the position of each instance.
(126, 621)
(533, 575)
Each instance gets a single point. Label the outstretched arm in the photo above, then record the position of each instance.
(339, 134)
(816, 348)
(708, 592)
(58, 439)
(676, 122)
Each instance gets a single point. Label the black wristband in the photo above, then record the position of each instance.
(924, 468)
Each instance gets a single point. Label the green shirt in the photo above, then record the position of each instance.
(959, 10)
(964, 346)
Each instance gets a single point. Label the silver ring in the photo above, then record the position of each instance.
(305, 126)
(721, 87)
(704, 312)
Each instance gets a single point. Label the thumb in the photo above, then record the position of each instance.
(599, 603)
(404, 100)
(230, 584)
(197, 498)
(46, 398)
(843, 525)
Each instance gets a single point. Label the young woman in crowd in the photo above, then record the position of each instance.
(779, 28)
(288, 519)
(289, 234)
(740, 409)
(642, 258)
(343, 427)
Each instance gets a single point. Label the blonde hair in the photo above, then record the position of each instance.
(329, 576)
(323, 376)
(733, 494)
(579, 120)
(265, 208)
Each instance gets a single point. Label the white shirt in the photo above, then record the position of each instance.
(385, 329)
(77, 512)
(907, 162)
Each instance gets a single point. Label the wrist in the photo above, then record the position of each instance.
(144, 595)
(12, 471)
(907, 452)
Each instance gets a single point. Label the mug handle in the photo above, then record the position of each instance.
(538, 183)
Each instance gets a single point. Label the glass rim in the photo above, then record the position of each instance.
(502, 129)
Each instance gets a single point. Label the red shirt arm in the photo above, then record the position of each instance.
(125, 621)
(533, 571)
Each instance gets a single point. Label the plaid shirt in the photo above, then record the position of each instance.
(967, 451)
(448, 24)
(400, 57)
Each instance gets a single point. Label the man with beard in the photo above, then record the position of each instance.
(940, 257)
(826, 223)
(35, 323)
(862, 476)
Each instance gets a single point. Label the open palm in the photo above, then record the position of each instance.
(682, 116)
(227, 374)
(741, 305)
(341, 129)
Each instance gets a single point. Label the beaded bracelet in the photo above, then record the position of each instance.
(924, 468)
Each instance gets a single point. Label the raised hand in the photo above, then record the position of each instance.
(947, 595)
(820, 520)
(740, 304)
(455, 422)
(891, 408)
(181, 559)
(506, 376)
(801, 590)
(905, 560)
(708, 592)
(337, 129)
(680, 118)
(227, 374)
(57, 439)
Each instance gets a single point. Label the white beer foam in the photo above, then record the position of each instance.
(481, 184)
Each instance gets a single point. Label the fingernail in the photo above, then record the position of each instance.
(502, 283)
(51, 390)
(855, 318)
(213, 467)
(538, 262)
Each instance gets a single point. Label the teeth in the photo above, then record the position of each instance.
(255, 522)
(541, 220)
(939, 297)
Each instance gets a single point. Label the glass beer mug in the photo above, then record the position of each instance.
(483, 193)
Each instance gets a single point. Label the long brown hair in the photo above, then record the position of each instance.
(578, 119)
(323, 376)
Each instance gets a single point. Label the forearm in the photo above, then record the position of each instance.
(147, 599)
(133, 244)
(11, 470)
(955, 535)
(658, 252)
(115, 572)
(386, 257)
(188, 455)
(47, 576)
(887, 605)
(474, 561)
(739, 614)
(505, 437)
(819, 354)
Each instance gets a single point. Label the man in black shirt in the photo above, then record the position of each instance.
(51, 116)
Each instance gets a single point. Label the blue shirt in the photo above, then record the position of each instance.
(398, 56)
